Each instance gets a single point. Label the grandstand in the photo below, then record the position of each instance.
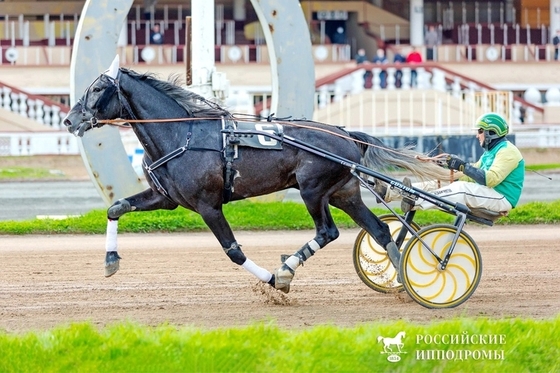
(485, 49)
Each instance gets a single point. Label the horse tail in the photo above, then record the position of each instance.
(379, 157)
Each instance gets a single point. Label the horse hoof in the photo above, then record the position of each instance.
(285, 289)
(112, 259)
(283, 277)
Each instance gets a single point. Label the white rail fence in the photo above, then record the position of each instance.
(433, 102)
(431, 106)
(33, 107)
(414, 112)
(38, 143)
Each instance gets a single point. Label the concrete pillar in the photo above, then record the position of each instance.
(239, 12)
(554, 18)
(202, 46)
(417, 22)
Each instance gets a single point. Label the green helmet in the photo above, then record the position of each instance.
(494, 126)
(493, 122)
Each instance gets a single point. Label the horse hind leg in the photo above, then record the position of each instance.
(326, 232)
(144, 201)
(349, 200)
(286, 272)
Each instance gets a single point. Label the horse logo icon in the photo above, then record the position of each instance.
(393, 346)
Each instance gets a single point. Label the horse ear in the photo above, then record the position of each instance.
(114, 68)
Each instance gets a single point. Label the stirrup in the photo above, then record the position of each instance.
(381, 189)
(488, 214)
(408, 200)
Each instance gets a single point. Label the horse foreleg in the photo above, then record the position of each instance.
(144, 201)
(216, 221)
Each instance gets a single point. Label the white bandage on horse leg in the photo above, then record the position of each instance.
(303, 254)
(313, 245)
(293, 262)
(259, 272)
(111, 238)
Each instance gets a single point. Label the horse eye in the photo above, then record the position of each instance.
(96, 89)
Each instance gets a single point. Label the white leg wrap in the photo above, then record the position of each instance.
(292, 262)
(313, 245)
(111, 238)
(259, 272)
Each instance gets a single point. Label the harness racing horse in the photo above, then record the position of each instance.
(188, 163)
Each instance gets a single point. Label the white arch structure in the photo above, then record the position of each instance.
(95, 45)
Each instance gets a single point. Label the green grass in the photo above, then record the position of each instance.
(247, 215)
(525, 345)
(543, 167)
(26, 173)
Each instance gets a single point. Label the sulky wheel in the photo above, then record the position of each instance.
(371, 261)
(420, 271)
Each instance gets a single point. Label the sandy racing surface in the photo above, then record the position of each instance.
(186, 279)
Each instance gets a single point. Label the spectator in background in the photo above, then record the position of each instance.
(430, 40)
(360, 59)
(556, 42)
(339, 37)
(522, 114)
(361, 56)
(156, 36)
(413, 57)
(381, 59)
(398, 58)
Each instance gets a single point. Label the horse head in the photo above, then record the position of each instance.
(101, 100)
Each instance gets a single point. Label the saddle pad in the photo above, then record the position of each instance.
(259, 141)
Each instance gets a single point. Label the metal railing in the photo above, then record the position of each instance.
(413, 112)
(36, 143)
(38, 108)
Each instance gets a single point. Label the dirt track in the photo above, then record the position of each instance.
(186, 279)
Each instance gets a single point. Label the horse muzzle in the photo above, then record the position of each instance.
(79, 127)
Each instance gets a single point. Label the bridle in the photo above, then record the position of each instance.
(89, 115)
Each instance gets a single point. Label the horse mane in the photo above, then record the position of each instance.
(195, 105)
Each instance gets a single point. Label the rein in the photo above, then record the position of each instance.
(126, 124)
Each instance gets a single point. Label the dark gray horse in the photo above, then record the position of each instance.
(201, 164)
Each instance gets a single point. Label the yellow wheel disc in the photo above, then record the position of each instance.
(371, 261)
(421, 273)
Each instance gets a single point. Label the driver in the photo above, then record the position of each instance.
(493, 183)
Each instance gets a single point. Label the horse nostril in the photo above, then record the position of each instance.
(67, 122)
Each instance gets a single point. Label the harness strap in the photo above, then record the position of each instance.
(229, 155)
(163, 160)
